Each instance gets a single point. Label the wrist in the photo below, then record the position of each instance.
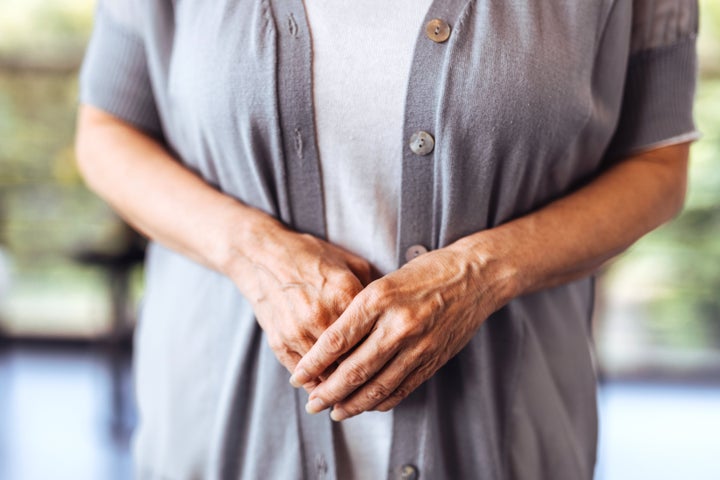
(243, 234)
(495, 267)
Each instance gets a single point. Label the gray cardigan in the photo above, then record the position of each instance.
(526, 101)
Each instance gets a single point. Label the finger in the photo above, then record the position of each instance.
(328, 371)
(347, 331)
(378, 389)
(409, 385)
(356, 370)
(310, 386)
(288, 358)
(346, 288)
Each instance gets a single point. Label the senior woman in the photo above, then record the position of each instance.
(400, 204)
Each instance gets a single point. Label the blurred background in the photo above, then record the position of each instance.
(71, 280)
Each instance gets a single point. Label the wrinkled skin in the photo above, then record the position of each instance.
(400, 330)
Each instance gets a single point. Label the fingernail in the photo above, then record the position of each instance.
(314, 406)
(338, 414)
(295, 378)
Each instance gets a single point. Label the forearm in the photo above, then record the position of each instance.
(573, 236)
(162, 198)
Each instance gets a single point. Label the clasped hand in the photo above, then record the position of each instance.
(396, 333)
(357, 345)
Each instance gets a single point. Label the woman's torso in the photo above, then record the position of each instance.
(522, 101)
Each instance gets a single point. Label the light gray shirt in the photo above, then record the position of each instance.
(525, 101)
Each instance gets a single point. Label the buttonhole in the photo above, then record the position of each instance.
(298, 143)
(292, 25)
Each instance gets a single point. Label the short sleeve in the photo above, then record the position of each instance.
(114, 76)
(661, 76)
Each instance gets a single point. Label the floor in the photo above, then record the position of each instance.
(658, 432)
(68, 414)
(65, 413)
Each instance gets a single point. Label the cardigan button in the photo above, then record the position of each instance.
(422, 143)
(409, 472)
(437, 30)
(414, 251)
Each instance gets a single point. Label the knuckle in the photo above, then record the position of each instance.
(356, 375)
(400, 393)
(291, 337)
(347, 286)
(376, 295)
(405, 324)
(392, 402)
(295, 341)
(389, 333)
(307, 237)
(429, 368)
(377, 392)
(313, 321)
(313, 313)
(276, 345)
(344, 297)
(312, 365)
(335, 342)
(353, 409)
(347, 282)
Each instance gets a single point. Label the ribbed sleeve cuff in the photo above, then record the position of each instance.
(114, 75)
(658, 99)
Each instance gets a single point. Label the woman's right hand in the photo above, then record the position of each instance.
(298, 285)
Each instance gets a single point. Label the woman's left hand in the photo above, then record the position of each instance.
(401, 329)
